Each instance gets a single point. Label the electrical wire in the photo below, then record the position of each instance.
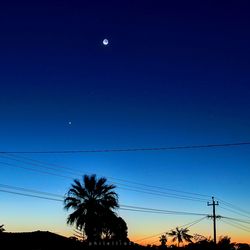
(236, 219)
(131, 149)
(162, 194)
(30, 190)
(162, 210)
(151, 243)
(158, 212)
(135, 189)
(140, 190)
(236, 226)
(33, 194)
(35, 163)
(41, 164)
(29, 195)
(233, 211)
(144, 190)
(33, 170)
(150, 237)
(150, 191)
(240, 225)
(195, 222)
(123, 207)
(187, 225)
(232, 206)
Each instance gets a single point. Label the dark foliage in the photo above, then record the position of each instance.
(93, 203)
(2, 228)
(180, 235)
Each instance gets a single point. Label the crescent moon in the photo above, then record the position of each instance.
(105, 42)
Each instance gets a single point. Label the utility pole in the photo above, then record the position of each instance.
(214, 216)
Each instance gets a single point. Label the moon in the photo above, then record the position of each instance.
(105, 42)
(69, 122)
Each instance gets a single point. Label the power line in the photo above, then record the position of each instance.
(30, 190)
(33, 163)
(240, 225)
(123, 207)
(152, 236)
(232, 206)
(235, 212)
(162, 210)
(56, 167)
(134, 189)
(235, 219)
(236, 226)
(151, 243)
(130, 149)
(145, 211)
(151, 191)
(59, 167)
(187, 225)
(34, 170)
(194, 223)
(29, 195)
(138, 189)
(33, 194)
(163, 194)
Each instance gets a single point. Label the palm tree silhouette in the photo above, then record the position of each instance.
(93, 202)
(180, 235)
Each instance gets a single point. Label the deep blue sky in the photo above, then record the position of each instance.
(174, 73)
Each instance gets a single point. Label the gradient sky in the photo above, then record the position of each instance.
(174, 73)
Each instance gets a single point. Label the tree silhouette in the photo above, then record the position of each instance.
(163, 240)
(2, 228)
(243, 246)
(225, 243)
(120, 229)
(93, 202)
(201, 243)
(115, 229)
(180, 235)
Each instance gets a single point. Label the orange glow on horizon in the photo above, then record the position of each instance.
(156, 241)
(141, 238)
